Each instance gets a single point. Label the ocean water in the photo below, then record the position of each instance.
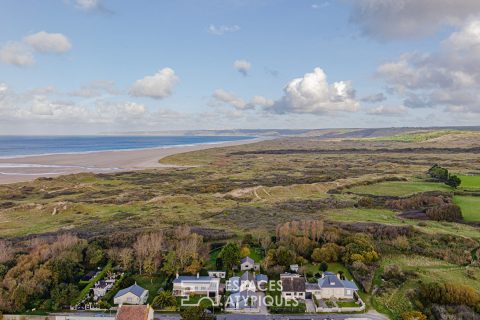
(15, 146)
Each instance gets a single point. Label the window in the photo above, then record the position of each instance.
(349, 292)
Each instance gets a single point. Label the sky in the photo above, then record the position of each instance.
(95, 66)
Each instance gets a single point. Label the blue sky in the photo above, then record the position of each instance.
(89, 66)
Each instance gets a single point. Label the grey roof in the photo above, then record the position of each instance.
(247, 259)
(135, 289)
(350, 284)
(247, 276)
(330, 280)
(192, 278)
(293, 284)
(311, 286)
(261, 277)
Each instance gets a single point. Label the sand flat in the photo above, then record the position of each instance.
(28, 168)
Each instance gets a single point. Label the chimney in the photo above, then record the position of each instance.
(338, 275)
(177, 275)
(198, 275)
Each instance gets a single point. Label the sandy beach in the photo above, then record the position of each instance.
(28, 168)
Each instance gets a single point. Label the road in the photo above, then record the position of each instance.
(370, 316)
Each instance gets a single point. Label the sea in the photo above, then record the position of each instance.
(18, 146)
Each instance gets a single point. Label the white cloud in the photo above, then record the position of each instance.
(221, 30)
(322, 5)
(96, 89)
(91, 6)
(228, 98)
(48, 42)
(397, 19)
(87, 4)
(313, 94)
(3, 89)
(449, 77)
(157, 86)
(377, 97)
(242, 66)
(387, 111)
(17, 54)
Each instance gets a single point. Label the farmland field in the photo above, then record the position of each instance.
(470, 182)
(470, 207)
(399, 188)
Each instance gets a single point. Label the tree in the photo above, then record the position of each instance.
(63, 294)
(330, 252)
(438, 173)
(413, 315)
(244, 251)
(149, 247)
(231, 255)
(454, 181)
(219, 263)
(94, 256)
(164, 299)
(324, 266)
(265, 242)
(195, 313)
(125, 258)
(284, 256)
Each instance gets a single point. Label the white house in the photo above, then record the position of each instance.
(293, 286)
(331, 286)
(248, 263)
(184, 286)
(101, 287)
(131, 295)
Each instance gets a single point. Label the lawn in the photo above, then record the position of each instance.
(470, 182)
(399, 188)
(333, 267)
(211, 263)
(152, 283)
(470, 207)
(347, 304)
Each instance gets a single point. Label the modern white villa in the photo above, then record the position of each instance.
(185, 286)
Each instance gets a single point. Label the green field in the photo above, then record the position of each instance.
(399, 188)
(426, 270)
(417, 136)
(470, 207)
(470, 182)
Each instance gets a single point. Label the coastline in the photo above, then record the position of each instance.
(28, 168)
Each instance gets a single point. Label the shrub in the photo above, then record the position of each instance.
(413, 315)
(447, 212)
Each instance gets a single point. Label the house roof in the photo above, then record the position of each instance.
(261, 277)
(330, 280)
(193, 278)
(312, 286)
(135, 289)
(128, 312)
(247, 276)
(247, 259)
(293, 284)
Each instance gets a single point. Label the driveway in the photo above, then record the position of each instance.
(310, 306)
